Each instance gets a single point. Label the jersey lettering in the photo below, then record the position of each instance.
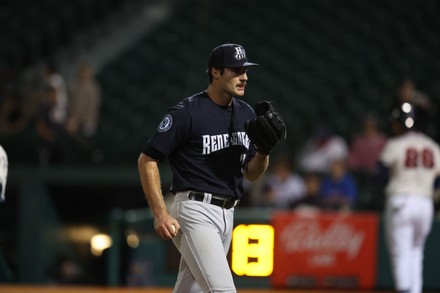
(213, 143)
(217, 142)
(226, 140)
(412, 158)
(206, 144)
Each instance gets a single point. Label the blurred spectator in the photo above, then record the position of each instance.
(84, 103)
(12, 118)
(56, 81)
(283, 186)
(366, 146)
(407, 92)
(13, 111)
(312, 200)
(338, 188)
(50, 130)
(253, 192)
(321, 149)
(33, 85)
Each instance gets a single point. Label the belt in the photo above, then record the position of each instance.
(225, 202)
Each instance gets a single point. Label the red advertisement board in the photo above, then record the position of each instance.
(325, 250)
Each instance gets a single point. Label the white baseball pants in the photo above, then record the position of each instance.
(408, 221)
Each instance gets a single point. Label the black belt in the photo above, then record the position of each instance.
(225, 202)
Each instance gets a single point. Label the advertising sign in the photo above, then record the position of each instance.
(325, 250)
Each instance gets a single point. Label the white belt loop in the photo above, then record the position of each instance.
(207, 198)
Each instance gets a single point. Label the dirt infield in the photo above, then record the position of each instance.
(56, 289)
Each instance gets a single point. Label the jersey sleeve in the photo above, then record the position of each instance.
(437, 160)
(171, 132)
(387, 155)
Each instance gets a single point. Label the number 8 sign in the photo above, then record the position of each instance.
(252, 250)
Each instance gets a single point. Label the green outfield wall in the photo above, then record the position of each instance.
(34, 222)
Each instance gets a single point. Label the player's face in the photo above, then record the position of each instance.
(234, 80)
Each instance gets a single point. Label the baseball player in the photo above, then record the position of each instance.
(3, 172)
(204, 137)
(411, 162)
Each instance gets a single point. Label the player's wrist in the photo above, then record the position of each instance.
(261, 156)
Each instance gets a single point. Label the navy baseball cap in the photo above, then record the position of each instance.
(229, 55)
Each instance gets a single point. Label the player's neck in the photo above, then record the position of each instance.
(220, 98)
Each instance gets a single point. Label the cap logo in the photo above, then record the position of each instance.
(239, 53)
(166, 123)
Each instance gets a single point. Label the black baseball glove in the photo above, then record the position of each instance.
(267, 129)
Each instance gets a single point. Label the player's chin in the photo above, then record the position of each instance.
(239, 91)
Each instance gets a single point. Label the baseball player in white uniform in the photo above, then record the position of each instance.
(410, 161)
(3, 172)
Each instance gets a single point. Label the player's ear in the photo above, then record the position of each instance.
(216, 72)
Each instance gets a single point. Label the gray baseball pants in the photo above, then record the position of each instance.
(203, 242)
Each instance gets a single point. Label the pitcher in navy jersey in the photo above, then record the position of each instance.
(204, 139)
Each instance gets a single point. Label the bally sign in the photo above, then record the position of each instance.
(325, 250)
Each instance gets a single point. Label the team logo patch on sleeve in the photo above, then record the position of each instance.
(166, 123)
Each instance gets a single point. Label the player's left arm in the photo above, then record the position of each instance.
(382, 173)
(256, 167)
(386, 160)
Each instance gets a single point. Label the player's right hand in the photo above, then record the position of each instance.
(166, 227)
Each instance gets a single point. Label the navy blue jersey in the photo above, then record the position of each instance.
(206, 145)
